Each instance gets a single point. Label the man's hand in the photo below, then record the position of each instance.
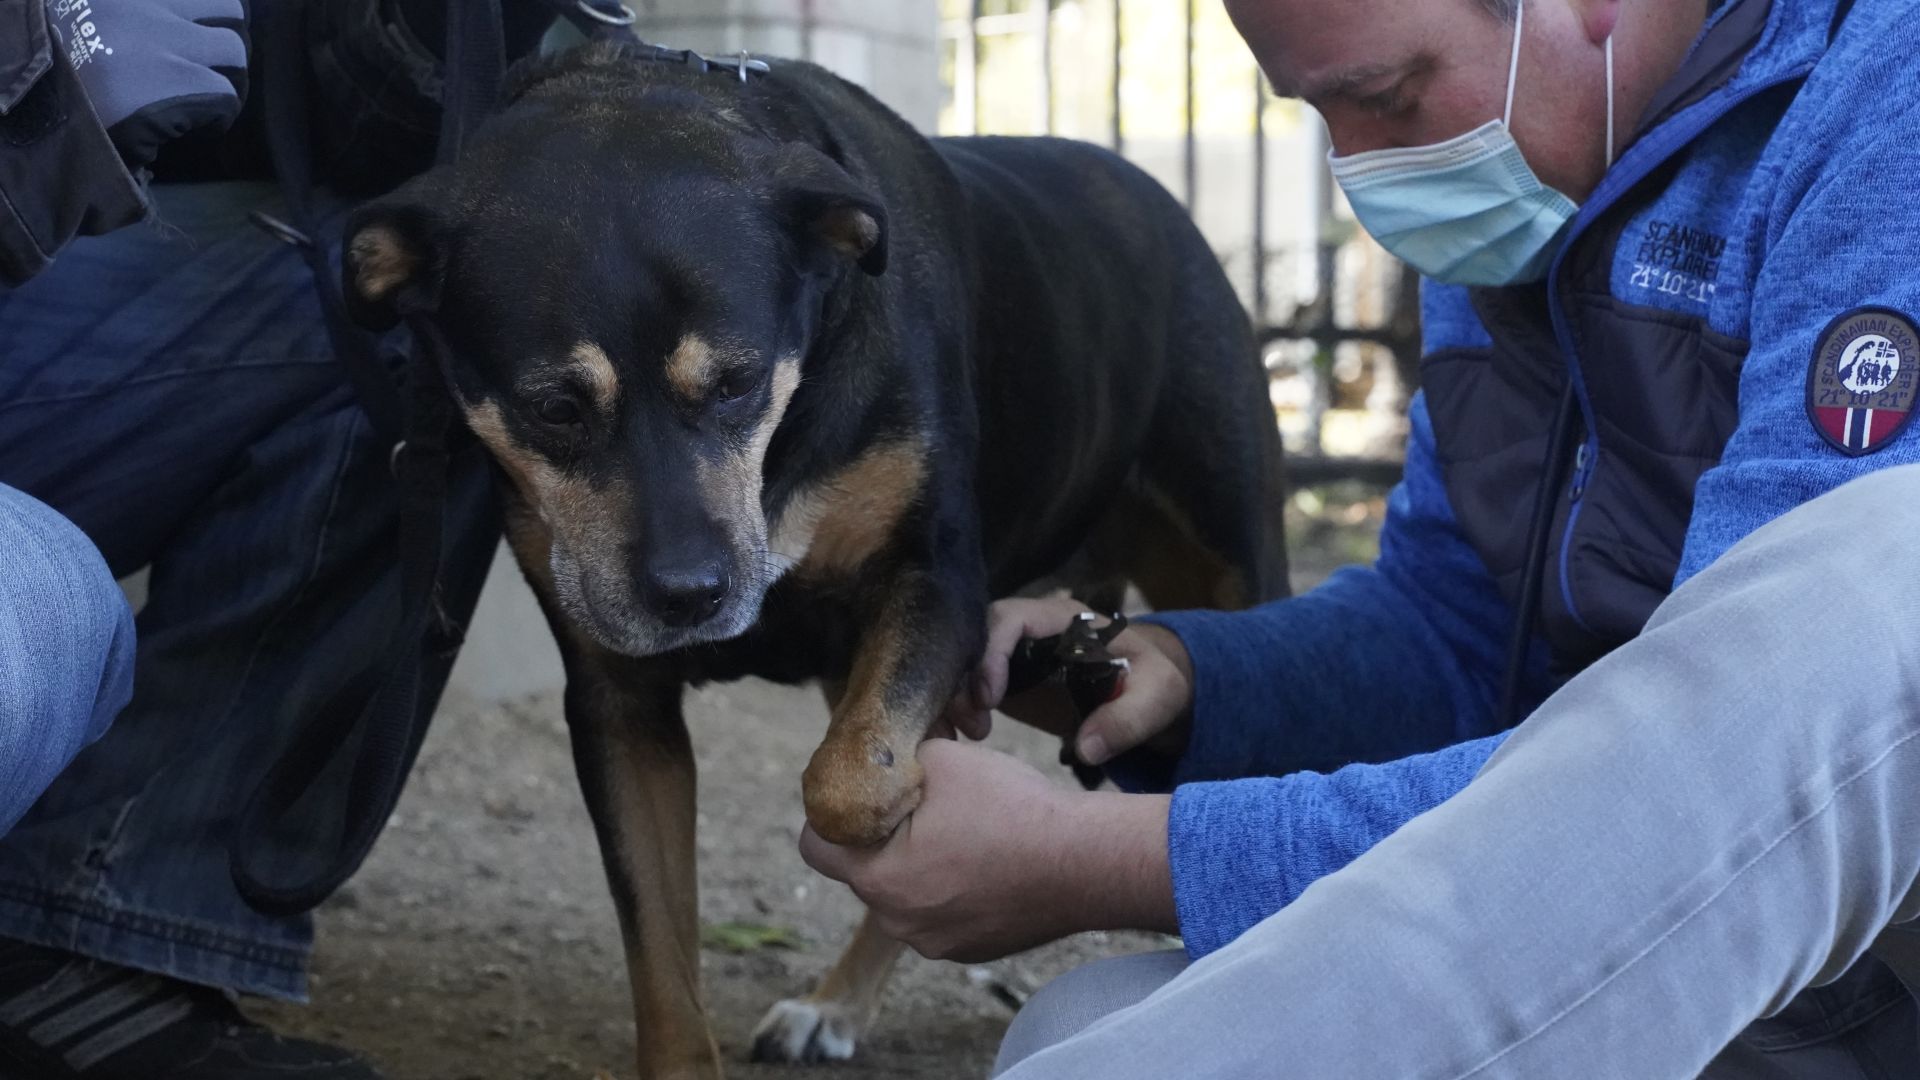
(1152, 709)
(998, 859)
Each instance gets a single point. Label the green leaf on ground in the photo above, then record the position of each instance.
(746, 937)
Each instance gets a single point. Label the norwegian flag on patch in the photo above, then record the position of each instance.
(1859, 430)
(1862, 381)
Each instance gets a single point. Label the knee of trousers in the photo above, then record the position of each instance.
(1076, 1000)
(66, 640)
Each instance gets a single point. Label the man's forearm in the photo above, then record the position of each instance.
(1113, 862)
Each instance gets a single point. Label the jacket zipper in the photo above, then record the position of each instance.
(1640, 161)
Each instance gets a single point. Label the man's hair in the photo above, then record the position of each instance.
(1504, 10)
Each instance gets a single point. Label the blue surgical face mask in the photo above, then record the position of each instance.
(1468, 211)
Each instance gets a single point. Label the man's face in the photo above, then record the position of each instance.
(1397, 73)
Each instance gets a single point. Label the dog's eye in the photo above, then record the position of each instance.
(558, 411)
(737, 384)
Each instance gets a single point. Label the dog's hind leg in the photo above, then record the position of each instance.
(1211, 471)
(827, 1024)
(1150, 540)
(636, 768)
(1201, 524)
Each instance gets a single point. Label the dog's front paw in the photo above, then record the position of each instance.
(806, 1032)
(857, 789)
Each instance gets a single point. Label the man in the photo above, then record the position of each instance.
(1662, 240)
(170, 389)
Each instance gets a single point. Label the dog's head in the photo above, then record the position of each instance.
(627, 276)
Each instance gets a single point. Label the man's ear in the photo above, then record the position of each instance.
(828, 210)
(393, 261)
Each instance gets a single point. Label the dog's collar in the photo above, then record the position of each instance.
(741, 63)
(613, 18)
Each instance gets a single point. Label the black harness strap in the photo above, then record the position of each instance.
(284, 89)
(476, 59)
(380, 708)
(375, 716)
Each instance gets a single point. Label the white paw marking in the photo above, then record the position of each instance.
(804, 1031)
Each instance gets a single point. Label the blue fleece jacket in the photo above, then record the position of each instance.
(1324, 723)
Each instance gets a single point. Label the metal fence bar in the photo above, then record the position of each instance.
(1315, 321)
(1324, 334)
(1189, 147)
(1043, 15)
(1119, 134)
(1259, 245)
(969, 61)
(1005, 24)
(1305, 470)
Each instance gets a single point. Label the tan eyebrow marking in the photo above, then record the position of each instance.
(591, 362)
(690, 367)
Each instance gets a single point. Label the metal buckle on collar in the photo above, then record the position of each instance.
(621, 15)
(741, 62)
(279, 230)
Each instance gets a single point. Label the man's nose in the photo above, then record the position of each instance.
(685, 596)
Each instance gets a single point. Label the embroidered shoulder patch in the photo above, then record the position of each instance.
(1861, 383)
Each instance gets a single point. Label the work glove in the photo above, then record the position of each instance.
(155, 70)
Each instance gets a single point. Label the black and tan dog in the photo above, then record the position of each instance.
(785, 389)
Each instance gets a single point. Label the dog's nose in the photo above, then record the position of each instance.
(686, 597)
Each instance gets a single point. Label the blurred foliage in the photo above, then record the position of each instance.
(1334, 525)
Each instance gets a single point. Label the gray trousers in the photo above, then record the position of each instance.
(1692, 861)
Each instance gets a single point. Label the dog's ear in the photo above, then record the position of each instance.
(829, 210)
(393, 261)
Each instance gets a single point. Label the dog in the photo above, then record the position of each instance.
(781, 387)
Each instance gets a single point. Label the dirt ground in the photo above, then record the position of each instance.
(479, 942)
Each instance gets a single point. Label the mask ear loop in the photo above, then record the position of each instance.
(1513, 63)
(1609, 101)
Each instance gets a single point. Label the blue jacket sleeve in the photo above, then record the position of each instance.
(1845, 231)
(1243, 849)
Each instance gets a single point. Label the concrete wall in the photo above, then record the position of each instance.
(509, 651)
(889, 47)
